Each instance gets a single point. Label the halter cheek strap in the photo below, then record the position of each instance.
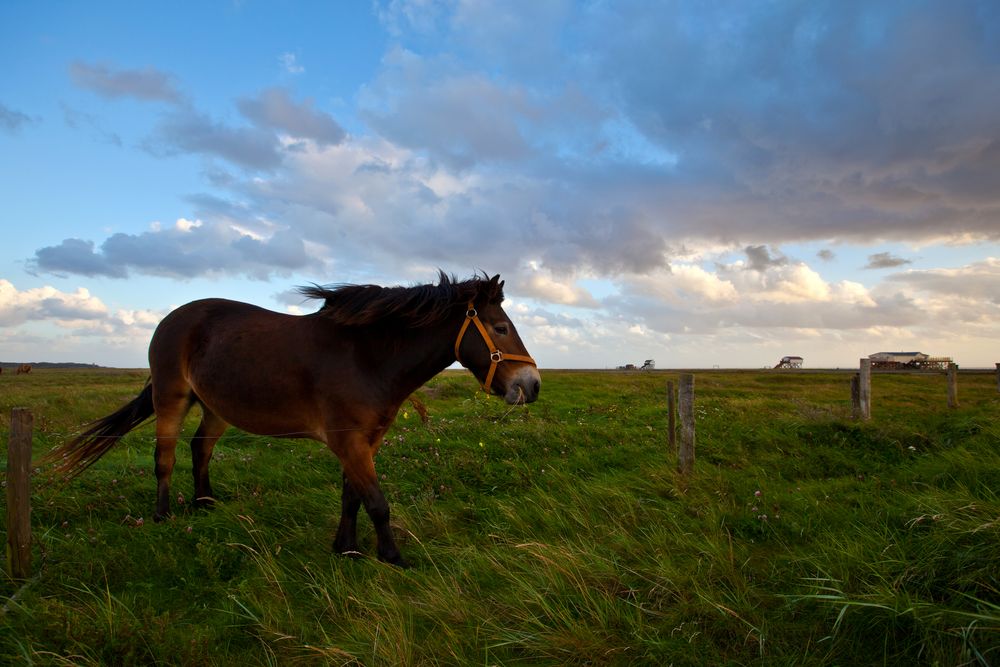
(496, 355)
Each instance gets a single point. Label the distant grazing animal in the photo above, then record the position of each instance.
(23, 368)
(338, 376)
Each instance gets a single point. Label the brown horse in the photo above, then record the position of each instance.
(23, 368)
(337, 376)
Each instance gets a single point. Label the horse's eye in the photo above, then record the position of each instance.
(501, 329)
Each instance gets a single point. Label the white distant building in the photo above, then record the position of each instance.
(648, 365)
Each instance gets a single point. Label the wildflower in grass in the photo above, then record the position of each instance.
(180, 498)
(757, 493)
(139, 522)
(406, 415)
(188, 529)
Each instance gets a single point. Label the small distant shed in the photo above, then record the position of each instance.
(789, 362)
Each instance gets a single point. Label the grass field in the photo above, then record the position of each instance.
(553, 534)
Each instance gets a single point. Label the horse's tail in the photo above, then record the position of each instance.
(75, 456)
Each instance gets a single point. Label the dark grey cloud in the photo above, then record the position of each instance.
(759, 258)
(74, 256)
(186, 250)
(664, 126)
(253, 147)
(12, 120)
(462, 119)
(147, 84)
(274, 108)
(188, 131)
(685, 124)
(826, 255)
(789, 121)
(885, 260)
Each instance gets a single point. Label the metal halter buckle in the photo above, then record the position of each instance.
(496, 356)
(470, 313)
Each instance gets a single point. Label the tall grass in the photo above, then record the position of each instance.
(553, 534)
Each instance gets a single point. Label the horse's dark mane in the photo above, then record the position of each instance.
(419, 305)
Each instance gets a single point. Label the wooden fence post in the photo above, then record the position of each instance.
(672, 416)
(856, 396)
(685, 395)
(998, 377)
(865, 389)
(952, 385)
(19, 493)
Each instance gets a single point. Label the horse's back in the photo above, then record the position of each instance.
(249, 365)
(189, 329)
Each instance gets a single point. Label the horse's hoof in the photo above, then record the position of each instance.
(204, 502)
(350, 553)
(398, 561)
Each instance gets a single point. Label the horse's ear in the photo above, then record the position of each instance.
(494, 280)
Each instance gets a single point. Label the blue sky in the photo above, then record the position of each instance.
(700, 183)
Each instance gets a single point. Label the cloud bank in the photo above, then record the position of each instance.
(674, 151)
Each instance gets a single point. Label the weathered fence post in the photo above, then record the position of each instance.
(856, 396)
(952, 385)
(19, 494)
(998, 376)
(685, 453)
(672, 416)
(865, 389)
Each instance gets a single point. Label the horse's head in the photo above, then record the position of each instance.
(489, 346)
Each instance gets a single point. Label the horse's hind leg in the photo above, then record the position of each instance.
(170, 411)
(202, 443)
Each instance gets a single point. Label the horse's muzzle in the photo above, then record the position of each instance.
(524, 386)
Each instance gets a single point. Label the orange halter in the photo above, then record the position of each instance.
(496, 355)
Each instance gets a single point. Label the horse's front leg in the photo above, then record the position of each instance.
(346, 542)
(356, 456)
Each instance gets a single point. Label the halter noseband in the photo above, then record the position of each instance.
(496, 355)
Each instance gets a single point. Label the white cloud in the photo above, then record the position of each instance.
(47, 303)
(543, 286)
(291, 63)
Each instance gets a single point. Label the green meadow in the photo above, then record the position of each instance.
(557, 533)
